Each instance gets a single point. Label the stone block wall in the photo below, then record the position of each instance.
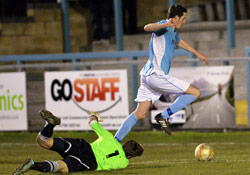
(43, 34)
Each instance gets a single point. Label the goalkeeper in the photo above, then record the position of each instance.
(105, 153)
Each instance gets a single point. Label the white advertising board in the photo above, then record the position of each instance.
(13, 103)
(214, 108)
(71, 94)
(206, 79)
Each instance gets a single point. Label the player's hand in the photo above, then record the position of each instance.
(94, 116)
(171, 23)
(91, 119)
(202, 57)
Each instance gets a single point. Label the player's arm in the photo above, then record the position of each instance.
(97, 127)
(152, 27)
(187, 47)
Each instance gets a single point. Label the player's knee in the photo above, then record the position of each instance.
(42, 143)
(63, 168)
(139, 116)
(142, 109)
(193, 91)
(39, 141)
(197, 93)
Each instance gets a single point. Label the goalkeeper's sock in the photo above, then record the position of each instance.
(126, 126)
(180, 103)
(47, 130)
(46, 166)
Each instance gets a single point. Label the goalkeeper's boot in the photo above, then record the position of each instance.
(164, 123)
(27, 164)
(96, 115)
(49, 117)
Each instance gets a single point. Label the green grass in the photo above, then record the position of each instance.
(170, 155)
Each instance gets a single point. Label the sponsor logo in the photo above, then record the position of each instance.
(9, 101)
(87, 90)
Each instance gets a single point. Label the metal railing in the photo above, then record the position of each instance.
(132, 55)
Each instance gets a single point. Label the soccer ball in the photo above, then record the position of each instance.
(204, 152)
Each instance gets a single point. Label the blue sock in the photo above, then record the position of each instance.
(126, 126)
(180, 103)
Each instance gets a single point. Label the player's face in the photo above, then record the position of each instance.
(181, 21)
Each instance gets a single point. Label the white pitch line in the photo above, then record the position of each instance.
(186, 161)
(193, 143)
(218, 118)
(144, 144)
(195, 117)
(18, 144)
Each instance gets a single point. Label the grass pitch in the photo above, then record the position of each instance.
(171, 155)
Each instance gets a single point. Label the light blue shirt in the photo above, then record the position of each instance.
(161, 51)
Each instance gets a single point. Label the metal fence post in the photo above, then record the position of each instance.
(171, 2)
(248, 83)
(75, 67)
(66, 28)
(230, 25)
(247, 51)
(118, 25)
(19, 62)
(193, 64)
(248, 91)
(133, 82)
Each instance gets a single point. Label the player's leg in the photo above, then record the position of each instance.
(176, 86)
(144, 99)
(44, 137)
(189, 96)
(77, 154)
(142, 109)
(132, 119)
(45, 166)
(50, 166)
(193, 91)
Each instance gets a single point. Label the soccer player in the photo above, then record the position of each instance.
(105, 153)
(155, 77)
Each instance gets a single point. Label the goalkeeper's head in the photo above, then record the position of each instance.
(132, 149)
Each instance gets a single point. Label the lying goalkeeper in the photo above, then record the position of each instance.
(105, 153)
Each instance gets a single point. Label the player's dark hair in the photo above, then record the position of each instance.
(176, 10)
(132, 148)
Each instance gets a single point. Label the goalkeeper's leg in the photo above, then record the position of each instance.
(45, 166)
(44, 137)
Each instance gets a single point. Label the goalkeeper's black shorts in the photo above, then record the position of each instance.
(78, 155)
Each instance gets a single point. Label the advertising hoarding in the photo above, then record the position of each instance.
(215, 106)
(71, 94)
(13, 103)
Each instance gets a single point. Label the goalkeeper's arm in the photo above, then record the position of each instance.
(97, 127)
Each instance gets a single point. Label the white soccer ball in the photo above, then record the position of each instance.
(204, 152)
